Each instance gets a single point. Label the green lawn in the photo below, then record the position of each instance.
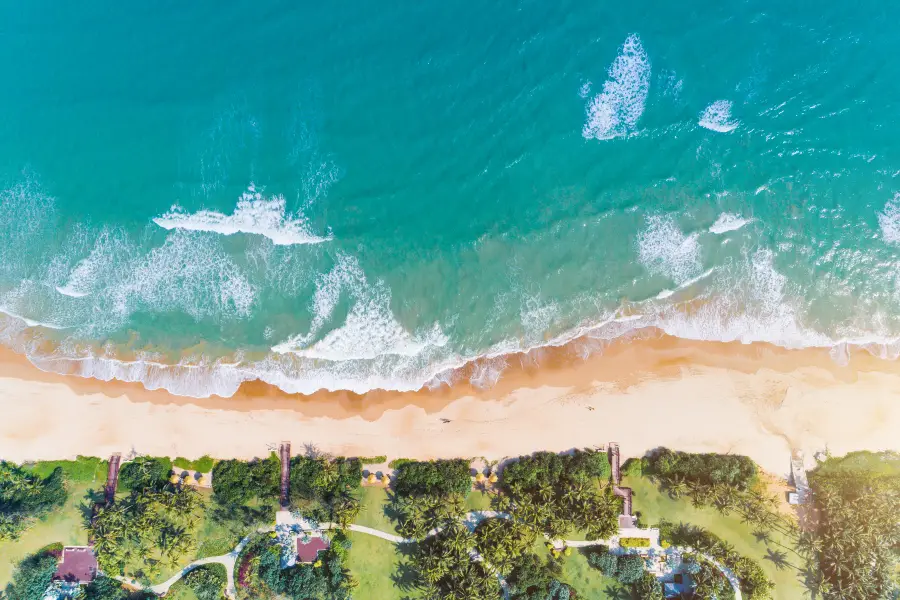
(374, 506)
(374, 563)
(64, 525)
(478, 500)
(655, 505)
(590, 582)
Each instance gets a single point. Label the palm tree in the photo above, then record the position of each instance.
(677, 486)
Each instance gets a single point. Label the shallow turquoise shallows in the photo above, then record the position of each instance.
(359, 195)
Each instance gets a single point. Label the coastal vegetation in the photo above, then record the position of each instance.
(261, 573)
(854, 538)
(26, 496)
(154, 527)
(555, 494)
(204, 464)
(34, 575)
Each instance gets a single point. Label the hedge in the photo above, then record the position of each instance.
(633, 542)
(204, 464)
(372, 460)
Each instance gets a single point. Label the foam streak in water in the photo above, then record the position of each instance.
(717, 117)
(615, 111)
(254, 214)
(728, 222)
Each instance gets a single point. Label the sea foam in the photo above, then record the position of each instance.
(370, 329)
(254, 214)
(615, 111)
(717, 117)
(889, 220)
(663, 249)
(728, 222)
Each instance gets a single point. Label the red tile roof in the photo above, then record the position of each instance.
(78, 565)
(308, 550)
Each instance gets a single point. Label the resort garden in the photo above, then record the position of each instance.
(542, 527)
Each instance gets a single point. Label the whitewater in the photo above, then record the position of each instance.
(335, 199)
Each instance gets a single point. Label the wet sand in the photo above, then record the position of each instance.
(653, 391)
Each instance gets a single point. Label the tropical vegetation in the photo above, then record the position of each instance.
(25, 496)
(555, 494)
(152, 528)
(854, 537)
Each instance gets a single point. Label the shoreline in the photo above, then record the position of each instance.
(644, 392)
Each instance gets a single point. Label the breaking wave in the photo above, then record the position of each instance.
(717, 117)
(254, 214)
(615, 111)
(728, 222)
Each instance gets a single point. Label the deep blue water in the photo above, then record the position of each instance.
(361, 195)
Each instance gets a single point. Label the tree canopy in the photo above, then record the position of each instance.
(207, 582)
(733, 470)
(433, 478)
(25, 496)
(856, 539)
(553, 493)
(151, 527)
(236, 482)
(32, 577)
(145, 472)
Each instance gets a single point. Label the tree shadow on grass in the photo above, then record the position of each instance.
(405, 578)
(90, 499)
(617, 592)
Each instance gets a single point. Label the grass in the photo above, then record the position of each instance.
(478, 500)
(64, 525)
(374, 562)
(590, 582)
(374, 506)
(204, 464)
(84, 469)
(654, 505)
(879, 463)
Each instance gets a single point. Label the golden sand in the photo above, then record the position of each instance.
(755, 399)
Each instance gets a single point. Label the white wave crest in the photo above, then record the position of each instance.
(110, 249)
(615, 111)
(254, 214)
(717, 117)
(189, 273)
(889, 220)
(665, 250)
(728, 222)
(370, 329)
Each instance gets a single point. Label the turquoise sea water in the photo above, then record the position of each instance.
(368, 195)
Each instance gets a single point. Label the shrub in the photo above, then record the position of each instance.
(82, 469)
(634, 542)
(399, 462)
(105, 588)
(631, 569)
(32, 577)
(647, 588)
(207, 582)
(236, 481)
(145, 472)
(231, 482)
(204, 464)
(732, 470)
(25, 496)
(434, 478)
(607, 563)
(372, 460)
(633, 467)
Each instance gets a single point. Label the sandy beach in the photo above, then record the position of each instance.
(757, 400)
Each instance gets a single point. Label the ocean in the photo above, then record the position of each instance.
(358, 196)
